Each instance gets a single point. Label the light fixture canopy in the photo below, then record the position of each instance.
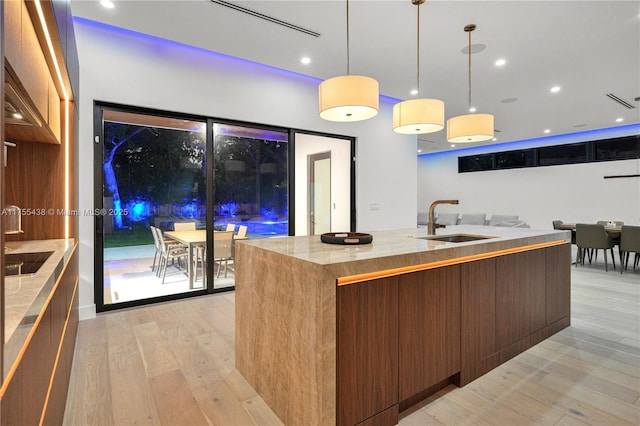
(470, 127)
(348, 97)
(417, 116)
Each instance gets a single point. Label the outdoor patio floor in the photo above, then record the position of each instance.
(128, 276)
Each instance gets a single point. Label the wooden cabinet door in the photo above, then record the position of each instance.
(367, 349)
(429, 322)
(558, 282)
(520, 296)
(478, 312)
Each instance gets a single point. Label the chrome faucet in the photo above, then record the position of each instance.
(432, 225)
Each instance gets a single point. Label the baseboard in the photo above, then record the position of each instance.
(87, 312)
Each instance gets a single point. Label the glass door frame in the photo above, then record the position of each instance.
(98, 179)
(292, 173)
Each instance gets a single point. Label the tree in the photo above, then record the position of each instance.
(109, 175)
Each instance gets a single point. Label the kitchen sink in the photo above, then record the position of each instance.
(25, 263)
(456, 238)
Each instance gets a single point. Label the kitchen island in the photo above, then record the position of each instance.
(355, 334)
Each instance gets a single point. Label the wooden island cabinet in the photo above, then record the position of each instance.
(356, 335)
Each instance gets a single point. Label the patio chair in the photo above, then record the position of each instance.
(184, 226)
(156, 243)
(222, 250)
(169, 252)
(231, 227)
(242, 231)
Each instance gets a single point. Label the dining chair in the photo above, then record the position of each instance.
(629, 243)
(184, 226)
(222, 250)
(156, 243)
(556, 225)
(242, 231)
(231, 227)
(169, 251)
(593, 236)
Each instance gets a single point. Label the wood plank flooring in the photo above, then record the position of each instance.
(173, 364)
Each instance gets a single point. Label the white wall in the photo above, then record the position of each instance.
(539, 195)
(340, 177)
(123, 67)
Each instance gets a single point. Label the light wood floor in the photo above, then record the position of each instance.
(173, 364)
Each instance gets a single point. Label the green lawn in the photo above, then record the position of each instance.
(138, 235)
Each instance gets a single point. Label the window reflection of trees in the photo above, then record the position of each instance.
(149, 169)
(250, 178)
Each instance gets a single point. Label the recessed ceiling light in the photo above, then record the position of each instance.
(17, 115)
(472, 109)
(419, 150)
(107, 3)
(618, 120)
(453, 145)
(494, 139)
(305, 60)
(500, 62)
(555, 89)
(414, 92)
(547, 131)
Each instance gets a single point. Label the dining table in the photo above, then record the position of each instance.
(193, 238)
(612, 230)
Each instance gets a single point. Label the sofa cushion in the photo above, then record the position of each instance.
(497, 219)
(473, 219)
(423, 218)
(447, 218)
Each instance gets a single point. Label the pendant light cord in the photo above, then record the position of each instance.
(348, 37)
(469, 101)
(418, 55)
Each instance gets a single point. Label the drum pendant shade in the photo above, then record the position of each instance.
(348, 98)
(417, 116)
(470, 128)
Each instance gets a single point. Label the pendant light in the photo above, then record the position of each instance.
(470, 127)
(416, 116)
(348, 97)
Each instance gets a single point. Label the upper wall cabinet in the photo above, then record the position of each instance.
(31, 90)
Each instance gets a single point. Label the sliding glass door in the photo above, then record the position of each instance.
(250, 188)
(153, 181)
(175, 194)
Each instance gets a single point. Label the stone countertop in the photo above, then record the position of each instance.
(25, 295)
(399, 248)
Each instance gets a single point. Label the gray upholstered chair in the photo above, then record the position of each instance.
(473, 219)
(497, 219)
(593, 236)
(629, 243)
(556, 225)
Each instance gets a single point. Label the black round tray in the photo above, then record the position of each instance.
(346, 238)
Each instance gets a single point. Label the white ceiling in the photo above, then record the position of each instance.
(589, 48)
